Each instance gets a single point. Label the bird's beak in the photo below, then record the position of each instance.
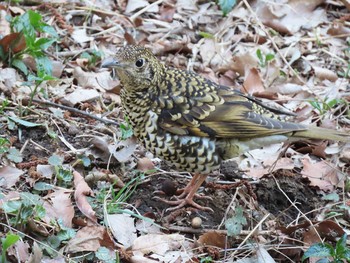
(111, 63)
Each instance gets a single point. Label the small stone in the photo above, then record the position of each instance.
(196, 222)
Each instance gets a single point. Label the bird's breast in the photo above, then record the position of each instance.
(187, 153)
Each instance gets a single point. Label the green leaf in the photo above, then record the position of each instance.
(14, 155)
(206, 35)
(226, 6)
(44, 66)
(34, 18)
(44, 43)
(49, 30)
(64, 175)
(235, 224)
(20, 65)
(42, 186)
(30, 199)
(24, 123)
(259, 55)
(12, 206)
(10, 240)
(318, 250)
(269, 57)
(55, 160)
(341, 246)
(85, 161)
(104, 255)
(40, 211)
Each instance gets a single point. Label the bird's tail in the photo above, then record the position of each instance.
(322, 134)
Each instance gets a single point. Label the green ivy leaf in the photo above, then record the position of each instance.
(235, 224)
(42, 186)
(14, 155)
(226, 6)
(318, 250)
(55, 160)
(11, 206)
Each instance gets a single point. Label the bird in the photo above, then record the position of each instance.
(194, 123)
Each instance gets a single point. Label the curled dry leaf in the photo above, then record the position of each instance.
(323, 73)
(123, 150)
(81, 191)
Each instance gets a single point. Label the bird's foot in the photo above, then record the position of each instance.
(179, 203)
(184, 192)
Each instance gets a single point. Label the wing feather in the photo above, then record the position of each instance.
(210, 110)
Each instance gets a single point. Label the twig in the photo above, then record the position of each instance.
(132, 18)
(75, 111)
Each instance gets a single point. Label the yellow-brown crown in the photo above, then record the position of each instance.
(137, 68)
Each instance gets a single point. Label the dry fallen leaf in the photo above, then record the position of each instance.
(320, 174)
(157, 243)
(60, 207)
(9, 176)
(213, 239)
(123, 228)
(87, 239)
(81, 191)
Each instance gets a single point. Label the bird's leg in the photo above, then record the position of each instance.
(183, 192)
(186, 197)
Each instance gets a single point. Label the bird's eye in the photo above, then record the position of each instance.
(140, 62)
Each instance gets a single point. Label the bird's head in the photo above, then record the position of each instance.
(136, 66)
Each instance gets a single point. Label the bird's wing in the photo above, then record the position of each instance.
(217, 111)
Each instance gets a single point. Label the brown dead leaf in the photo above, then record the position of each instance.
(253, 82)
(290, 17)
(20, 251)
(145, 164)
(81, 191)
(87, 239)
(9, 176)
(213, 238)
(320, 174)
(60, 207)
(242, 63)
(327, 229)
(14, 42)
